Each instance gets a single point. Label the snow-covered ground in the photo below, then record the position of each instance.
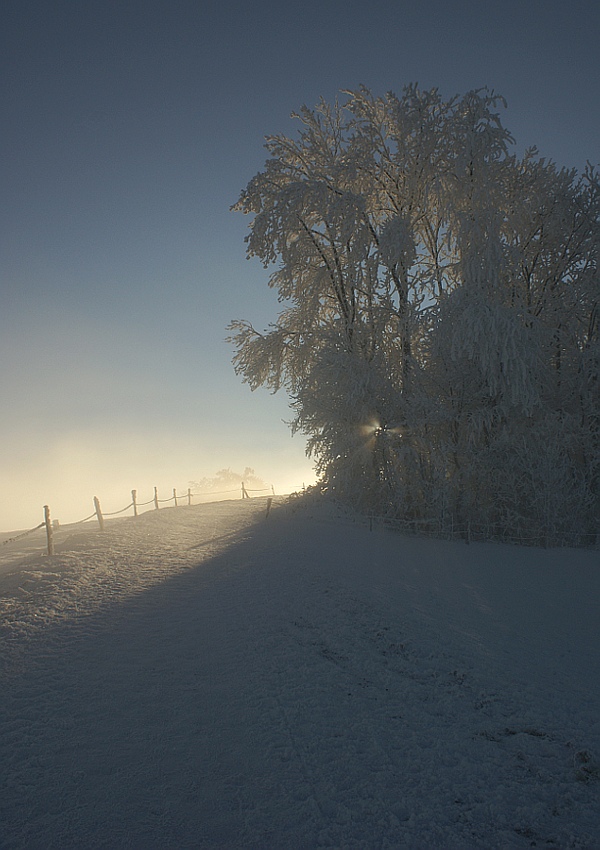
(205, 677)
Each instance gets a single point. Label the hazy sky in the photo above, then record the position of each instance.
(128, 130)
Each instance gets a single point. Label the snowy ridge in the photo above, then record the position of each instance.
(205, 678)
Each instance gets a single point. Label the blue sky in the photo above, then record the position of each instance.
(129, 129)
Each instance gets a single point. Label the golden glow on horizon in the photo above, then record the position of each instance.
(67, 474)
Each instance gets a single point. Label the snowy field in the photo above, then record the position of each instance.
(204, 677)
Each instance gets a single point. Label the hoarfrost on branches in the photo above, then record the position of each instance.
(439, 332)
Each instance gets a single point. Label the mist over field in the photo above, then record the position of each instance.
(71, 472)
(408, 287)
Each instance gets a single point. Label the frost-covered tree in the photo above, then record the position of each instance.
(439, 317)
(229, 481)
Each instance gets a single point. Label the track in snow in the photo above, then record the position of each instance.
(203, 678)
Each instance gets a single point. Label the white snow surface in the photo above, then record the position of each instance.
(207, 677)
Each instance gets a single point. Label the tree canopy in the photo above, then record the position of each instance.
(439, 332)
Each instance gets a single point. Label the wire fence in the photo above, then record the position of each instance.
(444, 528)
(447, 528)
(176, 499)
(23, 534)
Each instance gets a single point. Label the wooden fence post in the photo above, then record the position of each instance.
(156, 498)
(175, 496)
(189, 495)
(244, 493)
(49, 530)
(269, 503)
(134, 500)
(99, 513)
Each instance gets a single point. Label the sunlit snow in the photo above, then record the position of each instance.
(205, 677)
